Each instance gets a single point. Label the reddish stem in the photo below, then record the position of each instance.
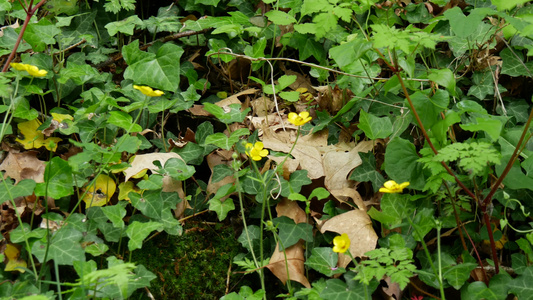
(29, 13)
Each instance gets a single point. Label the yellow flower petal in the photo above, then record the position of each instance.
(256, 151)
(148, 91)
(35, 72)
(341, 243)
(299, 119)
(392, 187)
(19, 67)
(100, 191)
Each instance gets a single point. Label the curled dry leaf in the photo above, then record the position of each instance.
(358, 226)
(337, 168)
(295, 253)
(146, 162)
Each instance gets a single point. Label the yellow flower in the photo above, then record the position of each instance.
(19, 67)
(299, 119)
(32, 70)
(341, 243)
(256, 151)
(392, 187)
(148, 91)
(35, 72)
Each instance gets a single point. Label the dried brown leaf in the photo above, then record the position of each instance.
(358, 226)
(23, 165)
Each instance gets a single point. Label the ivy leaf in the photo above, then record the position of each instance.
(125, 26)
(178, 169)
(123, 120)
(444, 77)
(64, 247)
(115, 6)
(338, 289)
(9, 191)
(160, 72)
(290, 233)
(58, 176)
(149, 203)
(521, 286)
(222, 207)
(228, 116)
(296, 181)
(374, 127)
(401, 163)
(138, 231)
(347, 53)
(324, 260)
(457, 275)
(116, 213)
(367, 171)
(222, 141)
(41, 34)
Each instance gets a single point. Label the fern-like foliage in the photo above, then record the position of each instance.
(115, 6)
(396, 263)
(473, 158)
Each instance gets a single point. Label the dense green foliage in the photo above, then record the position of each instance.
(339, 149)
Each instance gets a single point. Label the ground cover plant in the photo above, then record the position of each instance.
(300, 149)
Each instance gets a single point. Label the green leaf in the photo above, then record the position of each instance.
(149, 203)
(507, 4)
(492, 127)
(64, 247)
(220, 172)
(462, 25)
(483, 85)
(472, 157)
(221, 208)
(374, 127)
(178, 170)
(290, 233)
(116, 213)
(292, 96)
(23, 188)
(521, 285)
(153, 182)
(128, 143)
(337, 289)
(458, 275)
(225, 115)
(307, 47)
(401, 163)
(160, 72)
(81, 27)
(444, 77)
(138, 231)
(279, 17)
(58, 177)
(123, 120)
(297, 179)
(125, 26)
(324, 260)
(398, 206)
(41, 34)
(513, 63)
(367, 171)
(431, 105)
(224, 142)
(347, 53)
(132, 54)
(320, 193)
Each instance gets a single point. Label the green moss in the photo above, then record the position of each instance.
(192, 266)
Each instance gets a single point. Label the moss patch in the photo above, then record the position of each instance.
(191, 266)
